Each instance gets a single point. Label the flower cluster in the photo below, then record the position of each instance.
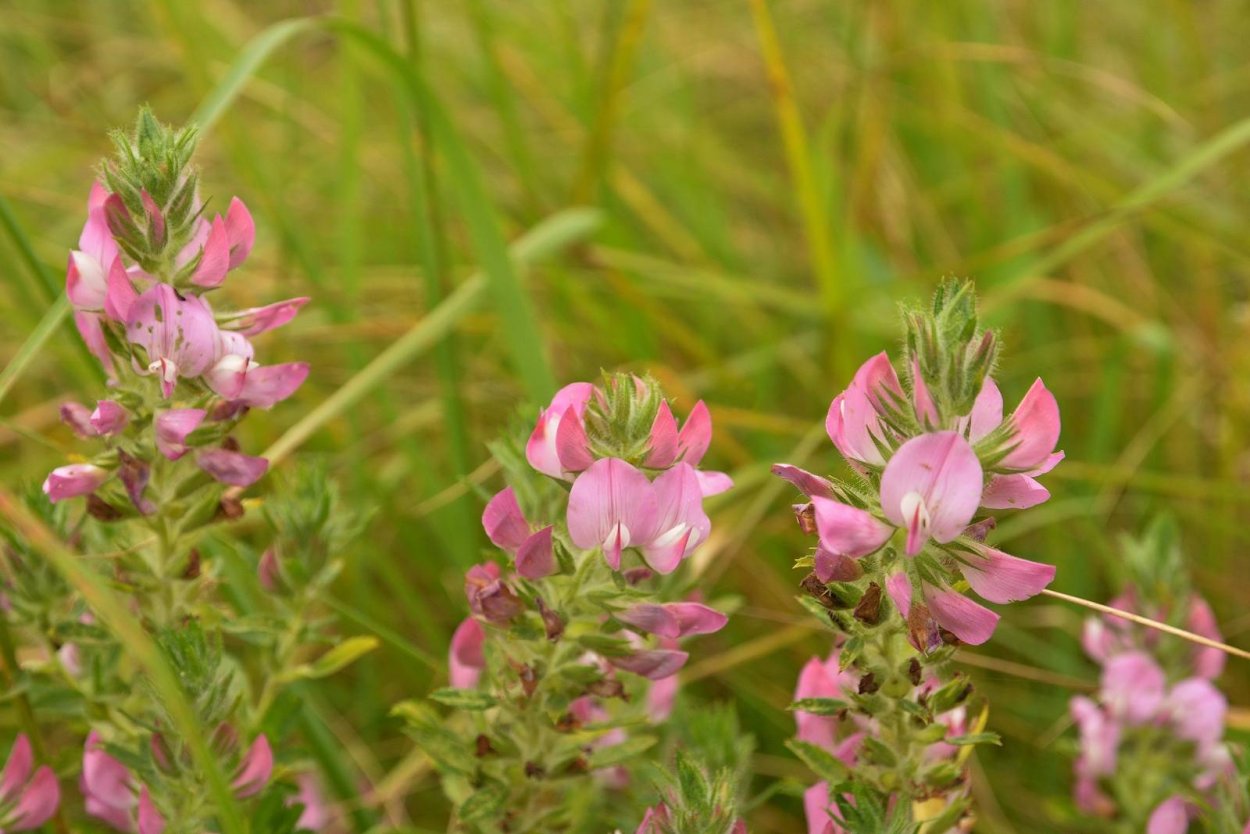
(933, 453)
(139, 282)
(572, 650)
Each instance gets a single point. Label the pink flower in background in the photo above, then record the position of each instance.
(465, 659)
(111, 792)
(255, 769)
(1106, 636)
(507, 528)
(29, 796)
(232, 468)
(316, 813)
(1170, 817)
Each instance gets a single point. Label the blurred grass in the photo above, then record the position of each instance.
(1086, 164)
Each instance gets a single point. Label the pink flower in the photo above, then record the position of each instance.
(172, 427)
(567, 407)
(668, 445)
(854, 422)
(73, 480)
(255, 769)
(655, 820)
(465, 660)
(232, 468)
(932, 487)
(87, 275)
(939, 606)
(999, 577)
(92, 332)
(674, 619)
(236, 376)
(661, 697)
(823, 679)
(1170, 817)
(847, 530)
(27, 800)
(178, 334)
(1100, 737)
(655, 664)
(613, 506)
(1133, 687)
(507, 528)
(256, 320)
(489, 596)
(316, 813)
(108, 418)
(109, 789)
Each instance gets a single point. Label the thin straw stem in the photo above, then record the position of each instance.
(1149, 623)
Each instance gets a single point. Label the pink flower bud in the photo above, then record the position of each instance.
(78, 417)
(465, 659)
(172, 427)
(214, 257)
(73, 480)
(29, 800)
(108, 418)
(240, 232)
(257, 320)
(233, 468)
(541, 450)
(255, 770)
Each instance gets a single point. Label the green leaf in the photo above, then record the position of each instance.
(605, 645)
(485, 804)
(819, 706)
(976, 738)
(623, 752)
(823, 763)
(467, 699)
(335, 659)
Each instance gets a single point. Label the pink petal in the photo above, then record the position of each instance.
(713, 483)
(611, 505)
(695, 435)
(898, 586)
(535, 558)
(999, 577)
(228, 375)
(316, 814)
(987, 411)
(572, 445)
(816, 805)
(1133, 687)
(256, 769)
(849, 530)
(156, 220)
(655, 664)
(104, 778)
(854, 427)
(120, 295)
(86, 281)
(73, 480)
(240, 232)
(92, 333)
(108, 418)
(233, 468)
(172, 427)
(696, 618)
(78, 417)
(1036, 425)
(269, 570)
(266, 385)
(540, 451)
(970, 622)
(178, 334)
(877, 379)
(662, 449)
(150, 819)
(680, 525)
(17, 768)
(835, 567)
(934, 477)
(466, 660)
(818, 679)
(1170, 817)
(1100, 737)
(661, 698)
(257, 320)
(922, 401)
(38, 803)
(215, 257)
(1013, 492)
(651, 618)
(1208, 663)
(504, 522)
(807, 483)
(1198, 710)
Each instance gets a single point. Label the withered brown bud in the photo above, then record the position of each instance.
(567, 723)
(552, 622)
(805, 514)
(868, 611)
(192, 570)
(817, 589)
(608, 688)
(101, 510)
(230, 444)
(534, 770)
(913, 671)
(230, 508)
(978, 531)
(482, 747)
(868, 684)
(529, 680)
(635, 576)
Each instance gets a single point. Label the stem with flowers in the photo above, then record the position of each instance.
(564, 674)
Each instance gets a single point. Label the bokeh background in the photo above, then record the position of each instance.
(770, 180)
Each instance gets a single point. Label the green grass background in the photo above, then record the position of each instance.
(770, 179)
